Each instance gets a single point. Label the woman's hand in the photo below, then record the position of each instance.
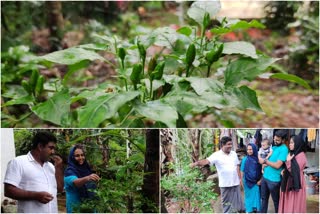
(289, 157)
(93, 177)
(259, 182)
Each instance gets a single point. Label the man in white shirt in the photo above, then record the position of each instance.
(228, 167)
(34, 181)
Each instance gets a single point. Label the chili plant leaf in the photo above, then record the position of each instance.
(15, 92)
(165, 36)
(133, 123)
(227, 123)
(20, 100)
(55, 108)
(97, 46)
(244, 48)
(241, 98)
(291, 78)
(189, 102)
(198, 10)
(237, 25)
(158, 111)
(102, 108)
(89, 94)
(185, 30)
(202, 85)
(246, 68)
(74, 68)
(172, 79)
(156, 84)
(71, 56)
(181, 123)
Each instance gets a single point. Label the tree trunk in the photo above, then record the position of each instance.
(234, 137)
(166, 151)
(55, 22)
(163, 206)
(194, 136)
(104, 146)
(130, 207)
(150, 186)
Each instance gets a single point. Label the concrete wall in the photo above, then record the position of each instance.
(7, 153)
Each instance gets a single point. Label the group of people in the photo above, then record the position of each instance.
(279, 174)
(34, 179)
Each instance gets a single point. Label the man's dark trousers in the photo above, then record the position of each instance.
(269, 187)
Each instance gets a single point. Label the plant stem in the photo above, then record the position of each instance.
(202, 37)
(187, 71)
(126, 117)
(110, 63)
(143, 63)
(24, 117)
(122, 64)
(208, 71)
(151, 93)
(126, 84)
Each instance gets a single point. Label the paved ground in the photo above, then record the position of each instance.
(312, 204)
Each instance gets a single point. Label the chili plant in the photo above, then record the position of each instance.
(187, 188)
(191, 75)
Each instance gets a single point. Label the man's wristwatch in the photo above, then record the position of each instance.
(265, 161)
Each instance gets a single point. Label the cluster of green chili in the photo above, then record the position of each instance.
(35, 84)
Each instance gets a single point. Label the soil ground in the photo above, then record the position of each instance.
(282, 107)
(312, 205)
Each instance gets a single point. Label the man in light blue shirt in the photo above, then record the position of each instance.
(271, 180)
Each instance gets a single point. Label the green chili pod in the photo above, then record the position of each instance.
(121, 53)
(190, 55)
(33, 79)
(136, 72)
(26, 86)
(152, 64)
(206, 20)
(220, 49)
(158, 73)
(214, 54)
(142, 51)
(39, 86)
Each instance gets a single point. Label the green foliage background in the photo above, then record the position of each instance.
(185, 186)
(191, 75)
(121, 177)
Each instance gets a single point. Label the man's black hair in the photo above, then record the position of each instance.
(43, 138)
(281, 133)
(224, 140)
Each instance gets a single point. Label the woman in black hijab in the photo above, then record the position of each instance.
(79, 179)
(293, 188)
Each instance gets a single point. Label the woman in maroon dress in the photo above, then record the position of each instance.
(293, 187)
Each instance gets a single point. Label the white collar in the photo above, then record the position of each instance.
(31, 159)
